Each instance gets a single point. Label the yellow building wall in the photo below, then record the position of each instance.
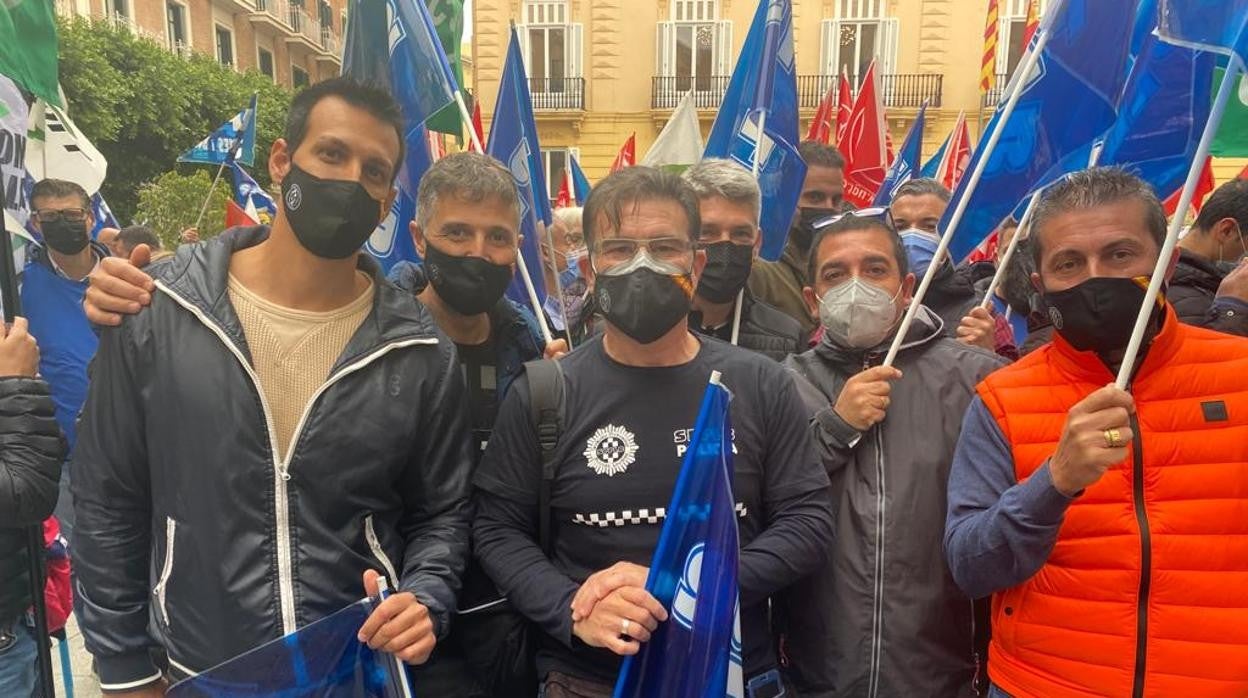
(943, 37)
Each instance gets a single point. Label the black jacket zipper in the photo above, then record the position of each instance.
(1146, 559)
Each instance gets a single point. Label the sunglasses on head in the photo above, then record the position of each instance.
(881, 213)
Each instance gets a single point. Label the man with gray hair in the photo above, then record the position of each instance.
(1107, 525)
(728, 202)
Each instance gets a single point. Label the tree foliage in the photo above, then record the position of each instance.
(170, 204)
(142, 106)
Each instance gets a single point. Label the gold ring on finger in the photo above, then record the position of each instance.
(1113, 438)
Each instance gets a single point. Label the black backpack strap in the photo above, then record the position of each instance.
(546, 411)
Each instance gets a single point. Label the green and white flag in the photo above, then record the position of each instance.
(1232, 138)
(679, 145)
(28, 46)
(448, 22)
(13, 149)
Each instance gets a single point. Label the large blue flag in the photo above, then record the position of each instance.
(233, 140)
(1209, 25)
(513, 141)
(392, 42)
(906, 165)
(1067, 102)
(765, 82)
(325, 658)
(250, 195)
(697, 651)
(580, 183)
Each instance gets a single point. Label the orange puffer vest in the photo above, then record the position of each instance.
(1146, 590)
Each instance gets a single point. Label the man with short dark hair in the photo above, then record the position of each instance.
(278, 377)
(1210, 284)
(132, 236)
(882, 617)
(780, 283)
(53, 284)
(108, 238)
(1107, 525)
(729, 205)
(631, 396)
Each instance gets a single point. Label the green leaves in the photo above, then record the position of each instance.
(170, 204)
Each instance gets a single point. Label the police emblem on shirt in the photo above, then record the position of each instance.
(611, 450)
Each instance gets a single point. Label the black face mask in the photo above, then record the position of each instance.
(1099, 314)
(66, 237)
(469, 285)
(331, 217)
(644, 304)
(803, 232)
(727, 269)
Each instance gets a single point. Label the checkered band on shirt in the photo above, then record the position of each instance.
(634, 518)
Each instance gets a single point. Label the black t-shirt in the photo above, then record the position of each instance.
(625, 433)
(479, 364)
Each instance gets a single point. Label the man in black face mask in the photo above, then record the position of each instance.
(780, 283)
(53, 284)
(1102, 521)
(284, 419)
(631, 396)
(1210, 284)
(728, 203)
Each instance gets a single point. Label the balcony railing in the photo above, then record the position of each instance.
(900, 90)
(708, 90)
(990, 98)
(557, 93)
(294, 18)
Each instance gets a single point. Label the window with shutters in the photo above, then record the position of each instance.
(265, 60)
(1012, 30)
(555, 162)
(861, 32)
(225, 46)
(175, 26)
(551, 46)
(694, 49)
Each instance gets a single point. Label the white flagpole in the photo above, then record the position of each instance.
(1024, 229)
(1233, 71)
(467, 117)
(754, 166)
(554, 268)
(1020, 81)
(204, 209)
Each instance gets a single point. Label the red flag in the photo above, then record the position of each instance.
(844, 107)
(437, 149)
(987, 250)
(1243, 174)
(476, 126)
(236, 215)
(863, 146)
(988, 64)
(958, 156)
(627, 157)
(1203, 188)
(1033, 22)
(564, 199)
(821, 126)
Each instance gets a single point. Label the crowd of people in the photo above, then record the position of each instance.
(269, 424)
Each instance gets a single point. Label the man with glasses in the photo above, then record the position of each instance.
(53, 284)
(883, 617)
(631, 396)
(728, 203)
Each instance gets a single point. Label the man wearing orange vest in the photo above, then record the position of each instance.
(1110, 527)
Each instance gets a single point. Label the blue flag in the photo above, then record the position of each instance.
(580, 183)
(392, 42)
(513, 141)
(932, 166)
(697, 651)
(906, 165)
(324, 658)
(1209, 25)
(765, 82)
(250, 195)
(233, 140)
(1067, 102)
(104, 217)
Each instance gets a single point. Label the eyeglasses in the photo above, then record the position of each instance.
(882, 213)
(672, 250)
(51, 215)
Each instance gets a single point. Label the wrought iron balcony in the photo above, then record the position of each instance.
(551, 94)
(900, 90)
(992, 97)
(708, 90)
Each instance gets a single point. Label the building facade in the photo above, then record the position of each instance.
(295, 42)
(601, 70)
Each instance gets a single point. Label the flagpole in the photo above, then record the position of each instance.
(467, 116)
(1024, 229)
(754, 165)
(533, 299)
(1028, 65)
(554, 267)
(213, 187)
(1233, 70)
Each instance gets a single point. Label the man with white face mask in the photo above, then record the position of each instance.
(883, 617)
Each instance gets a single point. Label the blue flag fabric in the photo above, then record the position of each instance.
(765, 81)
(1067, 102)
(932, 166)
(104, 217)
(324, 658)
(513, 141)
(906, 165)
(1209, 25)
(233, 140)
(248, 193)
(392, 42)
(580, 183)
(697, 651)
